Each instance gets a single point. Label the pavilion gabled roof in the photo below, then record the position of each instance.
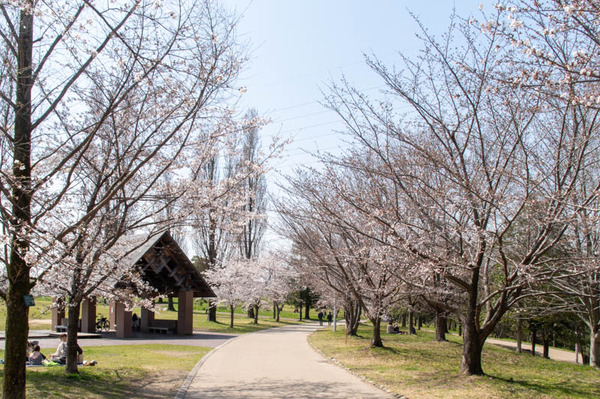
(167, 268)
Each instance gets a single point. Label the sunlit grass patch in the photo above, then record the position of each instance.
(417, 366)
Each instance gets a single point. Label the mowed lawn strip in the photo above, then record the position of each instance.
(420, 367)
(123, 371)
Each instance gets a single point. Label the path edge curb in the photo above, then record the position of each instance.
(361, 377)
(182, 391)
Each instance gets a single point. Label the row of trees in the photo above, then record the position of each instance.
(113, 118)
(481, 194)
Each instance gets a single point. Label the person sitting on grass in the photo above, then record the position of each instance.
(36, 357)
(61, 351)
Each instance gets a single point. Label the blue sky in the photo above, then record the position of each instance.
(299, 47)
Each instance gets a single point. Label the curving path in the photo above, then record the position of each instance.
(274, 363)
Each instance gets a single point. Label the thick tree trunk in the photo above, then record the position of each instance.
(519, 335)
(72, 329)
(278, 309)
(307, 310)
(471, 359)
(17, 330)
(255, 314)
(376, 341)
(595, 348)
(441, 325)
(352, 316)
(546, 343)
(17, 324)
(171, 306)
(404, 321)
(212, 311)
(232, 310)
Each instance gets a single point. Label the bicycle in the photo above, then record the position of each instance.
(102, 324)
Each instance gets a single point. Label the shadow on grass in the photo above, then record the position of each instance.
(568, 388)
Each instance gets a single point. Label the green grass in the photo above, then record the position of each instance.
(417, 366)
(123, 371)
(40, 316)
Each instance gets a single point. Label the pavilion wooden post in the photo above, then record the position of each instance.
(123, 319)
(147, 320)
(185, 313)
(88, 315)
(57, 315)
(111, 315)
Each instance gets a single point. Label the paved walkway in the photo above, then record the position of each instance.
(207, 339)
(560, 355)
(275, 363)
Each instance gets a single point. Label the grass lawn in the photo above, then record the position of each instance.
(419, 367)
(127, 371)
(40, 317)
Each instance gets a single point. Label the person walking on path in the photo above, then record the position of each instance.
(329, 318)
(320, 316)
(274, 363)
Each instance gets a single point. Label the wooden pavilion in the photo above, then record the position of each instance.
(166, 268)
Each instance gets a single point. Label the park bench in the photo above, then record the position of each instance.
(159, 330)
(61, 328)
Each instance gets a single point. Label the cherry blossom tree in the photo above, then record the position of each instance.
(468, 167)
(343, 259)
(75, 76)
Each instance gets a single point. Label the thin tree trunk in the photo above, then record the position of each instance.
(403, 320)
(441, 324)
(533, 338)
(411, 323)
(275, 310)
(595, 348)
(419, 322)
(519, 335)
(307, 310)
(376, 341)
(72, 329)
(255, 314)
(232, 310)
(278, 312)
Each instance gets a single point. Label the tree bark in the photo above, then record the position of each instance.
(72, 329)
(411, 323)
(17, 317)
(376, 341)
(307, 310)
(275, 310)
(171, 306)
(212, 311)
(595, 348)
(533, 338)
(352, 316)
(255, 307)
(519, 335)
(471, 359)
(232, 310)
(441, 325)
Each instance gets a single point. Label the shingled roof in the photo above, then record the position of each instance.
(167, 268)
